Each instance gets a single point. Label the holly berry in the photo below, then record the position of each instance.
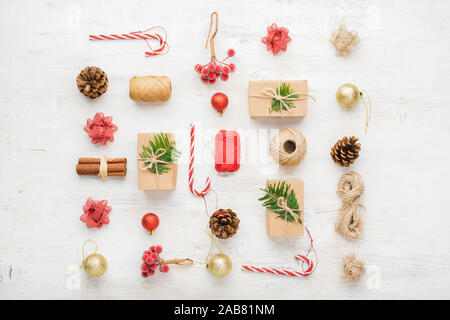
(198, 67)
(165, 268)
(215, 69)
(153, 262)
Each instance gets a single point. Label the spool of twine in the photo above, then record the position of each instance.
(150, 88)
(288, 147)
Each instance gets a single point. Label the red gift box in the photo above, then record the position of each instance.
(228, 151)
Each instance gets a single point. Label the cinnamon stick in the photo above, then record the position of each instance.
(91, 166)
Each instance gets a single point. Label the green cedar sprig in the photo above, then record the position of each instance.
(285, 91)
(161, 141)
(275, 191)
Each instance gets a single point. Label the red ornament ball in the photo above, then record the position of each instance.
(219, 101)
(150, 222)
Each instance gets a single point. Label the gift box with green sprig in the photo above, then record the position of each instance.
(278, 99)
(283, 200)
(157, 157)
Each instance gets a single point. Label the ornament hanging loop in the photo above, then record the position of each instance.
(368, 106)
(213, 242)
(211, 39)
(84, 247)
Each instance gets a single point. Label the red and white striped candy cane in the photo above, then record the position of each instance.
(139, 35)
(308, 266)
(207, 186)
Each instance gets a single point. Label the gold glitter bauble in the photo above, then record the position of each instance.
(348, 95)
(219, 265)
(95, 265)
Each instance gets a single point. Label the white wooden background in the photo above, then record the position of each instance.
(402, 61)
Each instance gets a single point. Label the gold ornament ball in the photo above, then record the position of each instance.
(348, 95)
(219, 265)
(95, 265)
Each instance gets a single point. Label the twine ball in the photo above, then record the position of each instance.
(288, 147)
(353, 268)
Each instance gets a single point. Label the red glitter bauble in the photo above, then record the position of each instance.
(219, 101)
(150, 222)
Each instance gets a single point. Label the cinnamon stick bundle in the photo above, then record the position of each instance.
(91, 166)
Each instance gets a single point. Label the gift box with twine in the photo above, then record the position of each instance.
(278, 98)
(153, 181)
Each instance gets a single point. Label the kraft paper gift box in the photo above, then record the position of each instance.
(151, 181)
(277, 227)
(260, 103)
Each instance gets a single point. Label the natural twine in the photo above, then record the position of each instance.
(353, 268)
(288, 147)
(103, 169)
(150, 88)
(268, 92)
(350, 189)
(154, 160)
(282, 203)
(344, 41)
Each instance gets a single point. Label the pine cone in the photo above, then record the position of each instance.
(345, 151)
(224, 223)
(92, 82)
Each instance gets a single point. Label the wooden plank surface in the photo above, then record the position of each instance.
(402, 61)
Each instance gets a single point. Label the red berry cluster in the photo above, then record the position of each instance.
(152, 261)
(216, 69)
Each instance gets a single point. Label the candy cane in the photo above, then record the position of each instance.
(139, 35)
(308, 270)
(205, 190)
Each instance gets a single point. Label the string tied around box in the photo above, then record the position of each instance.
(152, 161)
(282, 97)
(282, 203)
(154, 33)
(293, 96)
(308, 265)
